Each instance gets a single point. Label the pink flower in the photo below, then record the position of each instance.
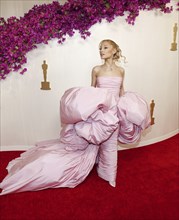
(48, 21)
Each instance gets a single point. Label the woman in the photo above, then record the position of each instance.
(110, 76)
(110, 53)
(89, 135)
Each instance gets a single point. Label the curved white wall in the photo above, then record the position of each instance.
(29, 114)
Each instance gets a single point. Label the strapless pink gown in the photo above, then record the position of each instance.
(93, 120)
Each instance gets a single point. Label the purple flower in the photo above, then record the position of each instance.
(47, 21)
(23, 71)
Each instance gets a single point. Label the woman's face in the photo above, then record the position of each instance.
(106, 50)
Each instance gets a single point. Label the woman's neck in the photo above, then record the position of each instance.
(109, 64)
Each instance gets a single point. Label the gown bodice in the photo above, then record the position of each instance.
(112, 83)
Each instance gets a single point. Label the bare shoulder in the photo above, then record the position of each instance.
(121, 71)
(96, 70)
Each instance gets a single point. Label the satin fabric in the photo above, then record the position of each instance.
(93, 120)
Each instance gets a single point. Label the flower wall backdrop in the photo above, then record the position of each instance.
(45, 22)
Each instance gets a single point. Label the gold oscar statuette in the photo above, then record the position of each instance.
(152, 105)
(174, 44)
(45, 85)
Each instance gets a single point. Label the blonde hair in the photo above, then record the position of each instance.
(118, 53)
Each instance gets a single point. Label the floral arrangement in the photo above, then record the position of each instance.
(45, 22)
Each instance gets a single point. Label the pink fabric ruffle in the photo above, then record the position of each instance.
(93, 118)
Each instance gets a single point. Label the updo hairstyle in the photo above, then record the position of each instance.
(118, 53)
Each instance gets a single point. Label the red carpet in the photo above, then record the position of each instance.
(147, 189)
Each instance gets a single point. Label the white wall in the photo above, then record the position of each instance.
(29, 114)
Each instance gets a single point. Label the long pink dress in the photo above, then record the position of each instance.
(93, 120)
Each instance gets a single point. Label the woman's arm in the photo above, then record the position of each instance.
(122, 84)
(94, 77)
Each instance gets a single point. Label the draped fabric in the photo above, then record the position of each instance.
(93, 118)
